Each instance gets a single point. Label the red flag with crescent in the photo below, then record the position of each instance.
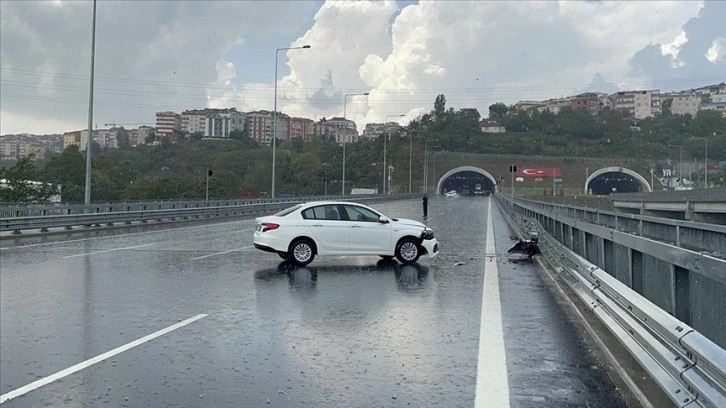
(538, 172)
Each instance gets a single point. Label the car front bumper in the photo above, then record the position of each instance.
(431, 246)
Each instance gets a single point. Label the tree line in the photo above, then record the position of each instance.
(241, 167)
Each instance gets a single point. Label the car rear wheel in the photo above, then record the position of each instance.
(408, 251)
(301, 252)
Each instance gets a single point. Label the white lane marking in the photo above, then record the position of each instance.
(80, 366)
(110, 250)
(221, 253)
(492, 382)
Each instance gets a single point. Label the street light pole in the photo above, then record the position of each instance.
(274, 114)
(345, 112)
(426, 165)
(89, 139)
(410, 139)
(680, 171)
(705, 161)
(385, 138)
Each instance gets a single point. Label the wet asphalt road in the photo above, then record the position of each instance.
(343, 332)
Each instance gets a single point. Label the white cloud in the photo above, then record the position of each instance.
(717, 53)
(154, 56)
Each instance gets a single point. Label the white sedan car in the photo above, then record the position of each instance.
(301, 232)
(451, 194)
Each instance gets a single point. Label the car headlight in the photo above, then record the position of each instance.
(427, 234)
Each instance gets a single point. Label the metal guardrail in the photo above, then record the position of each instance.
(704, 194)
(32, 210)
(696, 236)
(690, 368)
(109, 214)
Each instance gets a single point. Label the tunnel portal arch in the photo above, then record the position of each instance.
(465, 179)
(616, 180)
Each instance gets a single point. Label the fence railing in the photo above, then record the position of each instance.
(45, 217)
(688, 366)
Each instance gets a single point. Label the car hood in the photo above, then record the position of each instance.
(410, 223)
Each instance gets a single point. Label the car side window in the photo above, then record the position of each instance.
(309, 214)
(360, 214)
(331, 212)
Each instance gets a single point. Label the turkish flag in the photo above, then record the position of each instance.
(538, 171)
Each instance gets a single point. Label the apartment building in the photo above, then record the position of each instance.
(14, 147)
(138, 136)
(717, 103)
(589, 101)
(682, 103)
(343, 130)
(552, 105)
(638, 104)
(301, 128)
(525, 106)
(166, 124)
(374, 130)
(259, 125)
(220, 122)
(193, 121)
(72, 138)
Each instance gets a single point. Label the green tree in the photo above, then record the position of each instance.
(123, 139)
(439, 106)
(498, 110)
(69, 170)
(21, 184)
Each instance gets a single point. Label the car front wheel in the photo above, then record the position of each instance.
(408, 251)
(301, 252)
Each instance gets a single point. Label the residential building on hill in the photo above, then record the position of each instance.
(491, 126)
(219, 123)
(167, 123)
(682, 103)
(193, 121)
(302, 128)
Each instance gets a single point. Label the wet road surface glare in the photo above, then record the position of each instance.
(193, 316)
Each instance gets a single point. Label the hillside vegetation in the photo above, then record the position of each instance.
(572, 139)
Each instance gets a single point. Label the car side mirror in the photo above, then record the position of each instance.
(383, 220)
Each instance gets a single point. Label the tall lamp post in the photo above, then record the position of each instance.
(705, 161)
(89, 139)
(410, 139)
(426, 164)
(680, 171)
(385, 138)
(345, 112)
(274, 114)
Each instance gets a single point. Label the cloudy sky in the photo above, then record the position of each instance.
(157, 56)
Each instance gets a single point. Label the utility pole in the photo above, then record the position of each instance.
(209, 174)
(512, 170)
(89, 140)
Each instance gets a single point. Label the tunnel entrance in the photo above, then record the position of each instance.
(616, 180)
(467, 181)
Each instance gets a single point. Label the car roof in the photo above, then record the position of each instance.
(314, 203)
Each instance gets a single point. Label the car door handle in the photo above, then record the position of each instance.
(355, 226)
(317, 225)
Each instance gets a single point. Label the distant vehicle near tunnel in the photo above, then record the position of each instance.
(466, 180)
